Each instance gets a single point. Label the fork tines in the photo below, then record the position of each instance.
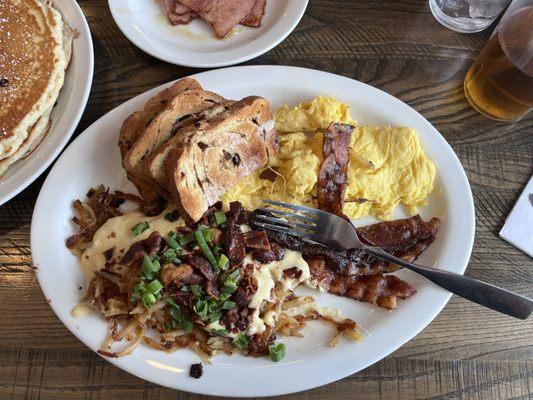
(289, 223)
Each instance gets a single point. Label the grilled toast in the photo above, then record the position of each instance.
(204, 162)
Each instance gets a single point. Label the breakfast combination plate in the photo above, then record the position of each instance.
(186, 307)
(220, 36)
(50, 95)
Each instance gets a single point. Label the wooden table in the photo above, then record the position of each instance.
(467, 352)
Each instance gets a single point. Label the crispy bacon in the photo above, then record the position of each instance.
(257, 240)
(201, 264)
(150, 246)
(233, 237)
(379, 289)
(332, 176)
(404, 238)
(275, 253)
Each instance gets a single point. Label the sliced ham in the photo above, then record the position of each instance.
(222, 15)
(256, 14)
(178, 13)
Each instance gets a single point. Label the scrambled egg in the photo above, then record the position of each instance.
(387, 165)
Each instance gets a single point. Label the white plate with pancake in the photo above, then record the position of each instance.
(68, 108)
(93, 159)
(195, 45)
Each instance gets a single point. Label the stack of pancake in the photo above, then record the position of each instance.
(36, 45)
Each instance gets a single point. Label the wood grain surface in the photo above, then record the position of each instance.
(467, 352)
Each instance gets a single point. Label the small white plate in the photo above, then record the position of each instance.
(67, 112)
(94, 159)
(195, 45)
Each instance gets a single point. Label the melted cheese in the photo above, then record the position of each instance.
(81, 310)
(116, 233)
(267, 275)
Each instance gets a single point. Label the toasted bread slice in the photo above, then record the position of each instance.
(136, 123)
(179, 112)
(154, 165)
(205, 162)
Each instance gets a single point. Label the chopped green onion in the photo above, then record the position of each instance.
(175, 313)
(213, 317)
(170, 255)
(224, 296)
(172, 303)
(223, 262)
(139, 228)
(154, 287)
(172, 216)
(205, 248)
(150, 268)
(172, 243)
(216, 249)
(176, 261)
(186, 325)
(188, 238)
(229, 287)
(197, 290)
(214, 306)
(218, 218)
(140, 287)
(200, 307)
(228, 305)
(277, 352)
(219, 332)
(230, 283)
(208, 234)
(148, 299)
(242, 341)
(135, 297)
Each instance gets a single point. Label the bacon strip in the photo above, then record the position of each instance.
(383, 290)
(332, 177)
(404, 238)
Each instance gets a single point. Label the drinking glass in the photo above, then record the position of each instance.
(500, 83)
(467, 16)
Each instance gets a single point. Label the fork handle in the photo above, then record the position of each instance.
(474, 290)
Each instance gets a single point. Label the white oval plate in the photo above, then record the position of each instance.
(94, 159)
(195, 45)
(67, 112)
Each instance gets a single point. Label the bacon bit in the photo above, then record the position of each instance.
(151, 246)
(257, 240)
(233, 237)
(292, 273)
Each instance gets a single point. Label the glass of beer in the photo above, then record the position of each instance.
(500, 83)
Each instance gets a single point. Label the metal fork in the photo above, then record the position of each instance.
(330, 230)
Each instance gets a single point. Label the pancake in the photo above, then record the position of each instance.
(35, 136)
(35, 53)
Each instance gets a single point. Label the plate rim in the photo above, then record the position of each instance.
(182, 62)
(272, 391)
(84, 32)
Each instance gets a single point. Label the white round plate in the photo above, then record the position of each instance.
(195, 45)
(67, 112)
(93, 159)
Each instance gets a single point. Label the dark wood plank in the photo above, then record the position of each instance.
(467, 352)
